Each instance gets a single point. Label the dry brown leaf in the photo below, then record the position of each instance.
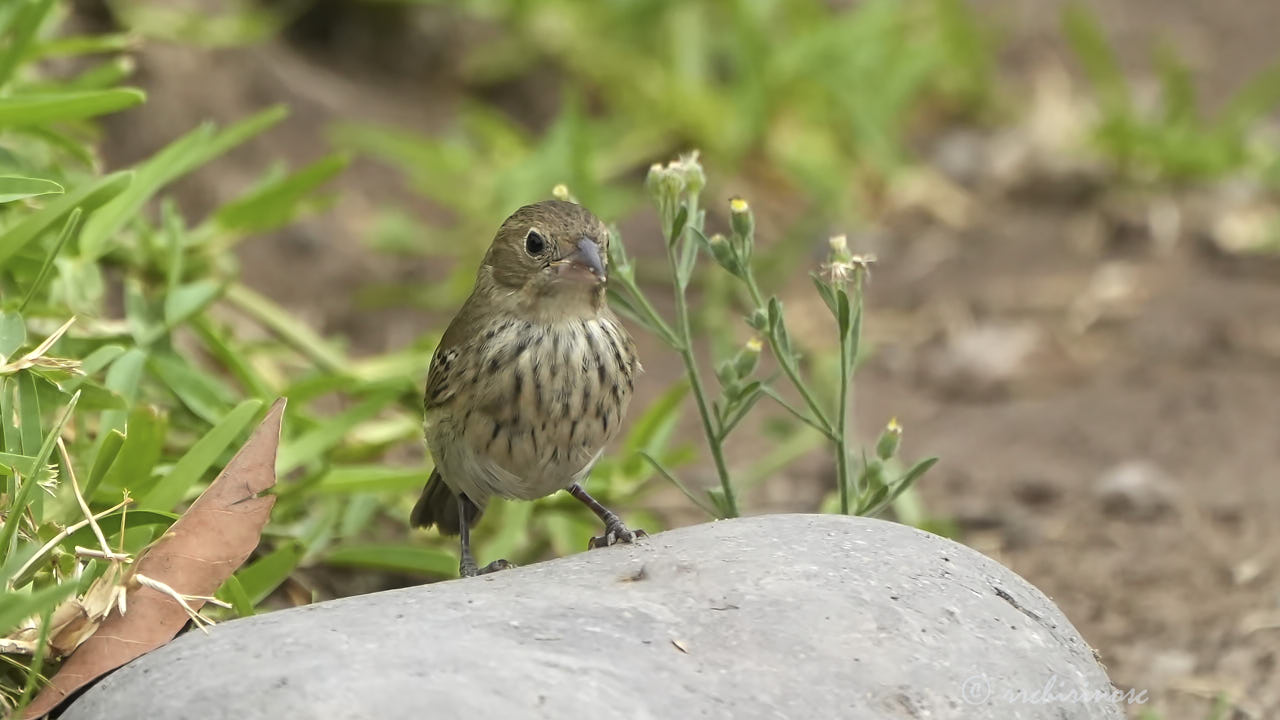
(201, 550)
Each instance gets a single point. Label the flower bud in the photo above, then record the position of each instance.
(691, 172)
(745, 362)
(741, 219)
(758, 319)
(839, 248)
(887, 445)
(724, 254)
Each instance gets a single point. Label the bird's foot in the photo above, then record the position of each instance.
(614, 533)
(470, 569)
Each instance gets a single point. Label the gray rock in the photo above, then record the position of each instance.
(779, 616)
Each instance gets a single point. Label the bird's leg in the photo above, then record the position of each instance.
(615, 531)
(467, 565)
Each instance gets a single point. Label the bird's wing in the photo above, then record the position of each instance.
(448, 364)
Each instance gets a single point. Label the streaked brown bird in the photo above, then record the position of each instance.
(531, 379)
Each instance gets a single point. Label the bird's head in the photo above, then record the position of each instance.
(553, 256)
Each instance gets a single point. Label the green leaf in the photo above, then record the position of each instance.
(177, 159)
(22, 498)
(261, 577)
(825, 291)
(842, 313)
(21, 34)
(14, 187)
(192, 466)
(662, 470)
(68, 229)
(29, 413)
(203, 394)
(232, 358)
(8, 418)
(93, 364)
(123, 378)
(315, 442)
(187, 300)
(889, 493)
(17, 606)
(854, 341)
(277, 203)
(129, 519)
(92, 395)
(45, 108)
(13, 333)
(289, 328)
(684, 266)
(107, 454)
(84, 45)
(87, 197)
(345, 479)
(678, 223)
(233, 592)
(403, 558)
(1087, 38)
(143, 444)
(24, 464)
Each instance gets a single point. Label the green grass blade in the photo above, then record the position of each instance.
(68, 229)
(23, 464)
(203, 394)
(29, 413)
(346, 479)
(16, 187)
(261, 577)
(88, 197)
(141, 449)
(402, 558)
(22, 33)
(233, 359)
(315, 442)
(187, 300)
(22, 498)
(179, 158)
(277, 203)
(233, 592)
(46, 108)
(16, 607)
(192, 466)
(123, 378)
(290, 329)
(13, 333)
(107, 455)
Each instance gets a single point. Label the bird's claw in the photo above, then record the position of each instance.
(616, 533)
(472, 571)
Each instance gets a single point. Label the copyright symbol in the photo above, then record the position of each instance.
(976, 690)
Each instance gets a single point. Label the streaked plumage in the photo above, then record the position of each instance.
(533, 376)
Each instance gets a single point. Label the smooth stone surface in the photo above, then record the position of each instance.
(779, 616)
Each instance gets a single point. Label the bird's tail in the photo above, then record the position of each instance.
(438, 506)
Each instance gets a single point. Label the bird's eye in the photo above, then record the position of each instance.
(534, 243)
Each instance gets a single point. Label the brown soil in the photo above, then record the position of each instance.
(1175, 579)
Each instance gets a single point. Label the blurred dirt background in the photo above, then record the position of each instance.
(1101, 381)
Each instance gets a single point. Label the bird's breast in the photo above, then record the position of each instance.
(543, 403)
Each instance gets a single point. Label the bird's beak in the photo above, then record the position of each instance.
(584, 263)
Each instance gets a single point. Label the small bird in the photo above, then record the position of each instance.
(531, 379)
